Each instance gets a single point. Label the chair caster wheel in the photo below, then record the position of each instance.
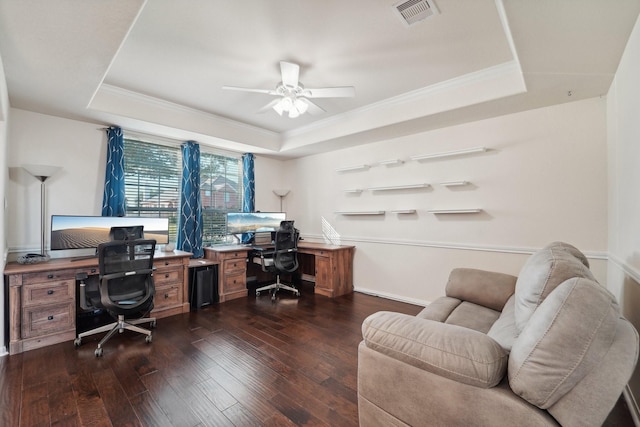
(148, 339)
(98, 352)
(77, 342)
(152, 325)
(257, 293)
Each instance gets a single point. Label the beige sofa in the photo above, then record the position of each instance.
(548, 347)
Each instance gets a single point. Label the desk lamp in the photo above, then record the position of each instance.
(281, 193)
(42, 173)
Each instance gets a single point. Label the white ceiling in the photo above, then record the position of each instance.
(158, 67)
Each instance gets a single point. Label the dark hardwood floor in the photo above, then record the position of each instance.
(246, 362)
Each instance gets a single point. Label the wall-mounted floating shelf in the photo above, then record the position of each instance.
(400, 187)
(450, 153)
(391, 162)
(360, 212)
(454, 183)
(353, 190)
(404, 211)
(455, 211)
(353, 168)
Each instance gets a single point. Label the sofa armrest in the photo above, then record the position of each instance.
(486, 288)
(451, 351)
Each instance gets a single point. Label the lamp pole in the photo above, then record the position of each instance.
(42, 173)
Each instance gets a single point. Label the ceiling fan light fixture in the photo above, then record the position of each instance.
(301, 106)
(293, 113)
(278, 108)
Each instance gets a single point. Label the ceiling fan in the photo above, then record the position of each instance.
(293, 97)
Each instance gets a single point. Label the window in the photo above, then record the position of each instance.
(153, 174)
(220, 192)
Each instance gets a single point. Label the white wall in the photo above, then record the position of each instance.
(623, 124)
(78, 147)
(544, 179)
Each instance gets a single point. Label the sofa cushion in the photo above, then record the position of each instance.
(503, 330)
(566, 338)
(440, 309)
(451, 351)
(473, 316)
(542, 273)
(461, 313)
(487, 288)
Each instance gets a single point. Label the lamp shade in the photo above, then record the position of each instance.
(42, 172)
(280, 192)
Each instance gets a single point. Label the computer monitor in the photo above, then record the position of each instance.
(253, 222)
(87, 232)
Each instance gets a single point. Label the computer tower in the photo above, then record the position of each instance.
(203, 286)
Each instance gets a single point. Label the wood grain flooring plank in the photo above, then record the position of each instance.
(239, 416)
(149, 411)
(256, 403)
(114, 398)
(61, 400)
(10, 389)
(203, 399)
(91, 409)
(169, 400)
(35, 406)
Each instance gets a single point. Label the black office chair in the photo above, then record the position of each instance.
(282, 259)
(125, 289)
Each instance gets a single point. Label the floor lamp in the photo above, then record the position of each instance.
(42, 173)
(281, 193)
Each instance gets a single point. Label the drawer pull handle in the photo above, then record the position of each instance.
(93, 270)
(166, 263)
(50, 318)
(166, 275)
(50, 292)
(166, 296)
(49, 276)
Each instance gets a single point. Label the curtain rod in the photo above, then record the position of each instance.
(163, 140)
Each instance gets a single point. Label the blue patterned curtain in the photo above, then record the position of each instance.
(249, 189)
(113, 200)
(190, 222)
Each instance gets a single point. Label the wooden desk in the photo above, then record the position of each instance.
(42, 297)
(329, 266)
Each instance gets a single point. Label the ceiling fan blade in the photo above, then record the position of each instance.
(246, 89)
(290, 73)
(312, 109)
(269, 106)
(331, 92)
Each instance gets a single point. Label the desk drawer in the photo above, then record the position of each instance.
(234, 266)
(41, 320)
(235, 282)
(167, 296)
(162, 277)
(48, 276)
(170, 262)
(48, 292)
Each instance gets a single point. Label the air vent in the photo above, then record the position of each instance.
(411, 12)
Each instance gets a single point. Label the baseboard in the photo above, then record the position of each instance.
(394, 297)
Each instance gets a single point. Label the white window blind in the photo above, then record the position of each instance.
(220, 192)
(153, 174)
